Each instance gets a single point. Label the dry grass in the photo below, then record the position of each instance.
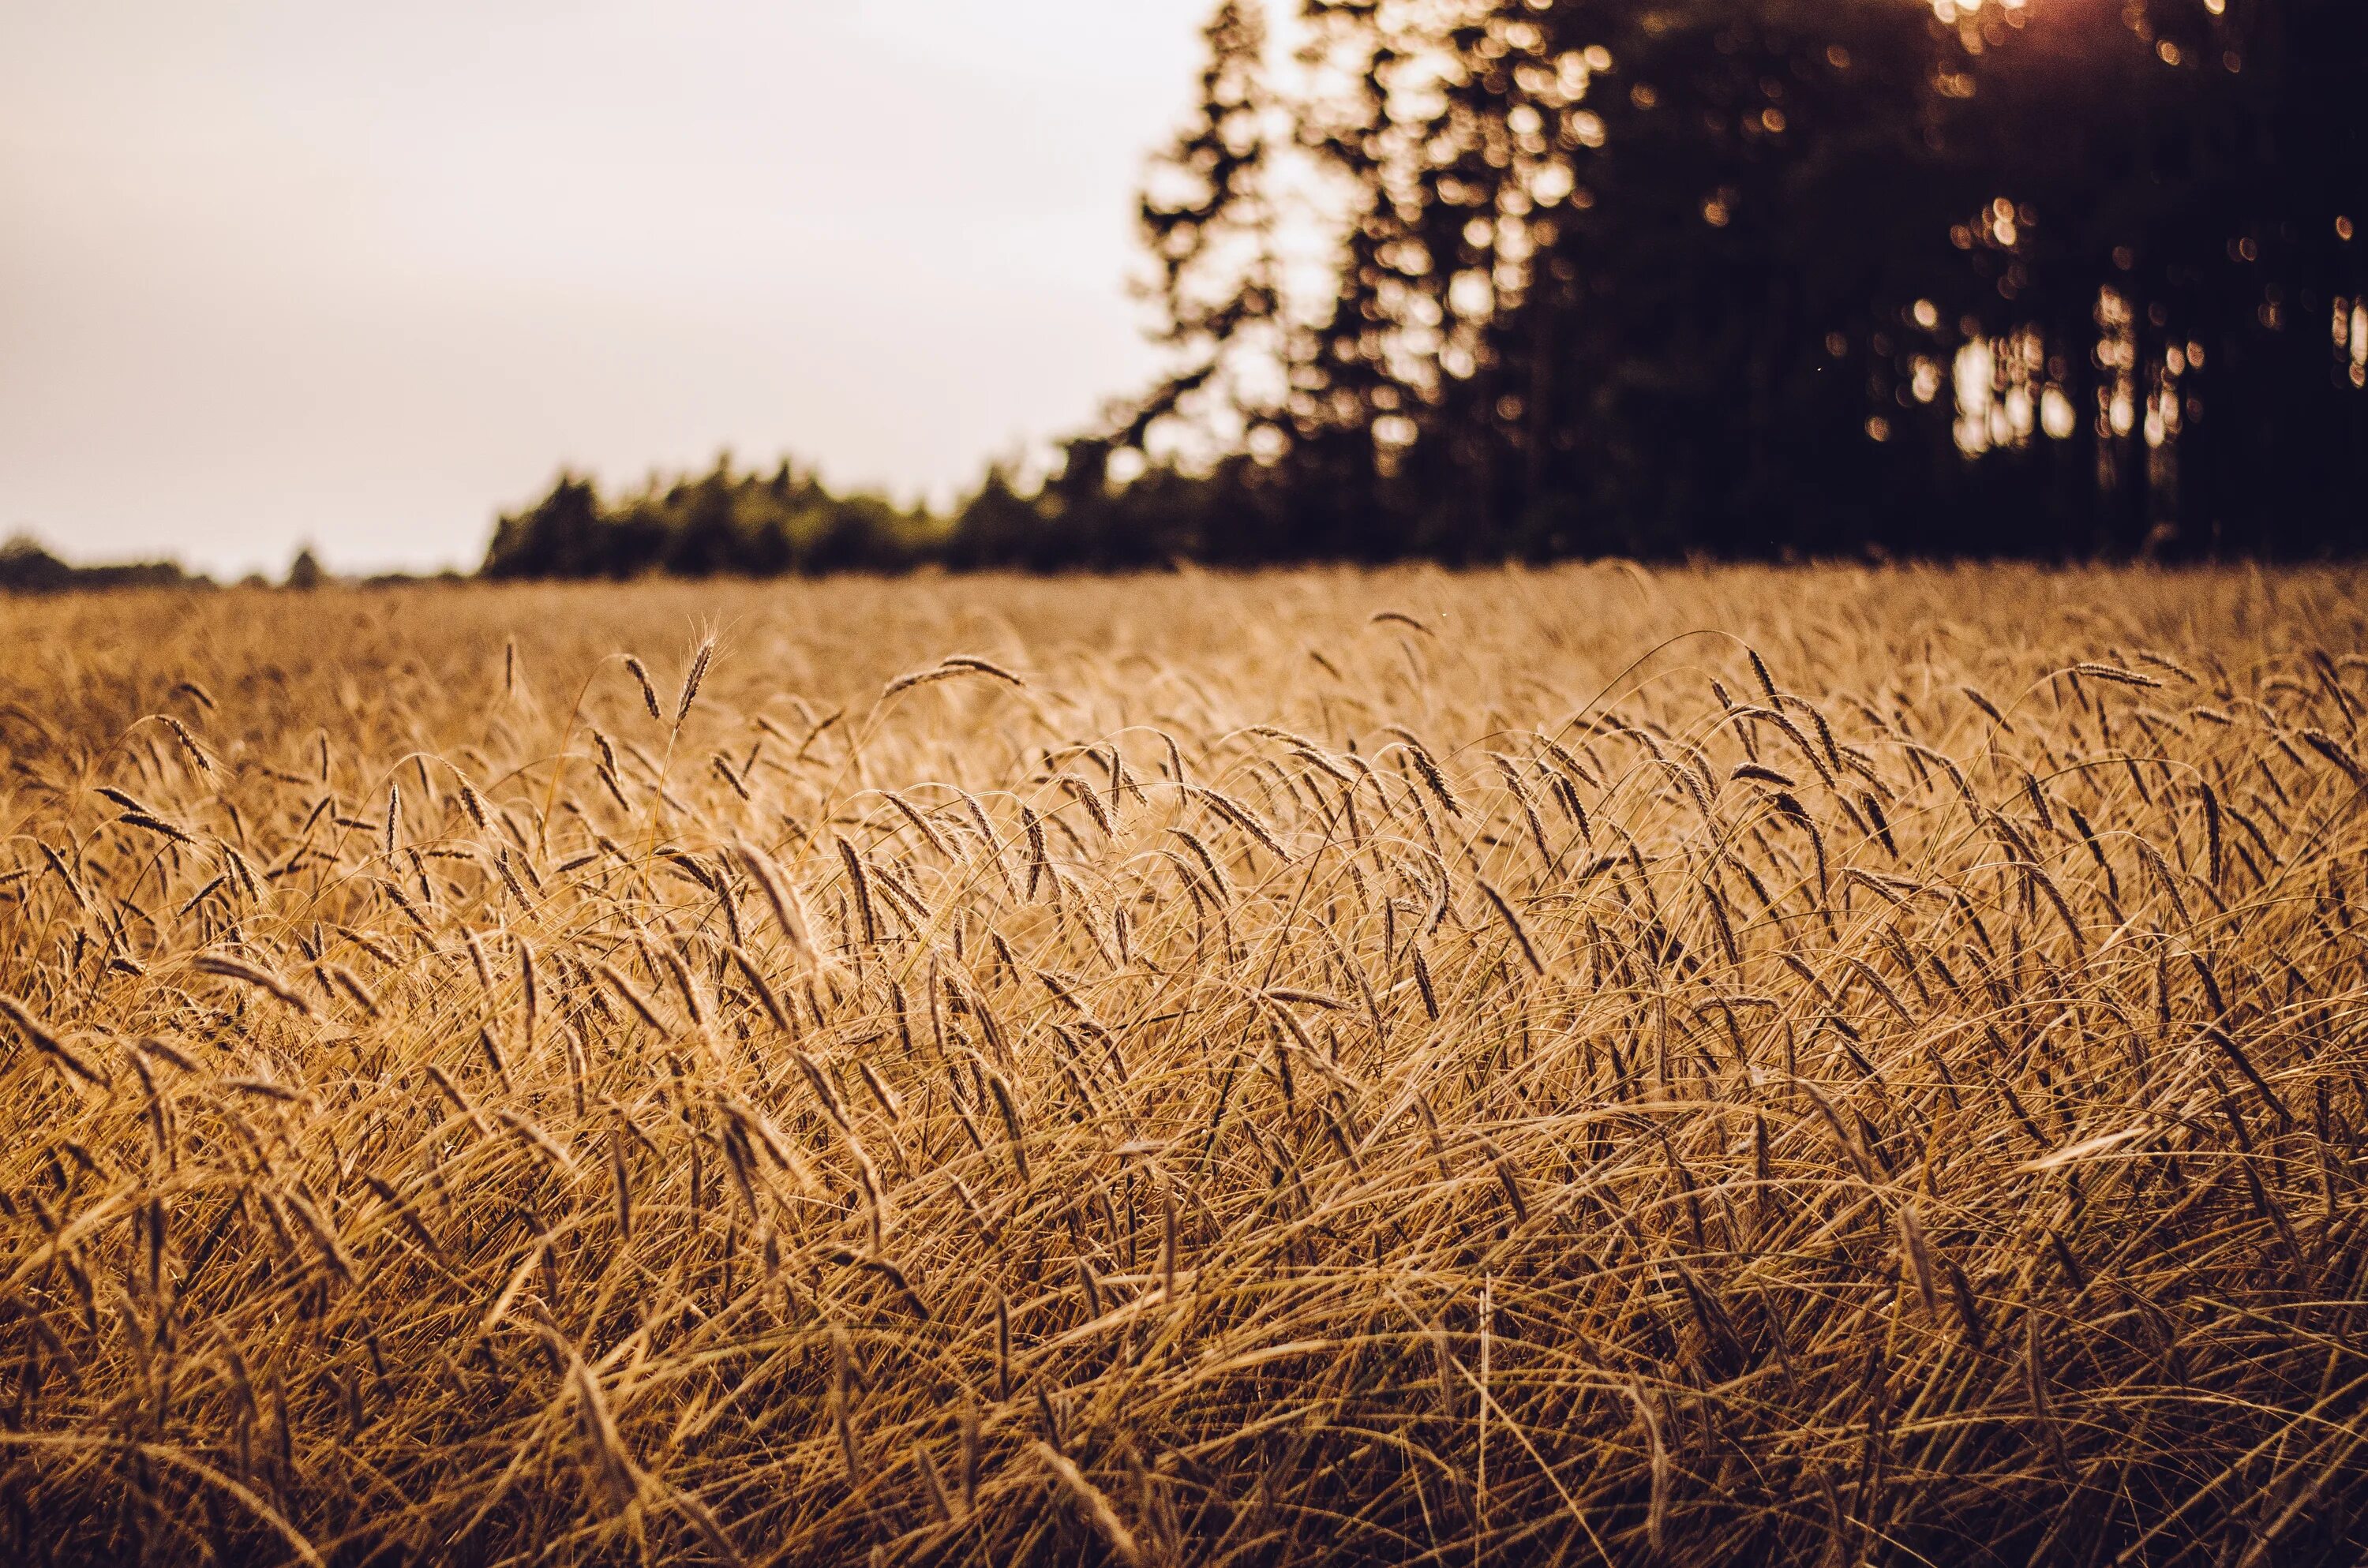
(1881, 1081)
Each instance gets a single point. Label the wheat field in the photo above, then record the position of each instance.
(1740, 1065)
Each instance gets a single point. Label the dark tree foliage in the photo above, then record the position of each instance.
(1208, 220)
(27, 568)
(2047, 277)
(721, 523)
(1743, 276)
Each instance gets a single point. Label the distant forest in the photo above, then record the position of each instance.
(2040, 278)
(27, 568)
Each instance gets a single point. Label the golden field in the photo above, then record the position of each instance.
(1592, 1065)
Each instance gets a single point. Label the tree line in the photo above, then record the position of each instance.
(1657, 278)
(27, 568)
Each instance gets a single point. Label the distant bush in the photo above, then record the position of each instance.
(305, 573)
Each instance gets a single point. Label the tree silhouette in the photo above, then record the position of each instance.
(1743, 275)
(2042, 277)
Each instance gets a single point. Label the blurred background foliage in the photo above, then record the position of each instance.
(2057, 278)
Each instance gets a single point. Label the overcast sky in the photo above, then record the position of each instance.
(363, 275)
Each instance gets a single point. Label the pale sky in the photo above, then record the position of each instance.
(365, 275)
